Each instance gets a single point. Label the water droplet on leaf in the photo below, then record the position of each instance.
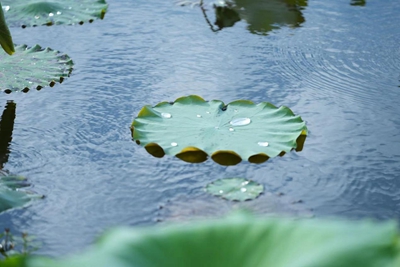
(263, 143)
(198, 116)
(231, 129)
(221, 192)
(166, 115)
(174, 144)
(240, 121)
(243, 189)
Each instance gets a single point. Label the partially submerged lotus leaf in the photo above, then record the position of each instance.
(11, 195)
(32, 68)
(237, 189)
(26, 13)
(6, 41)
(193, 129)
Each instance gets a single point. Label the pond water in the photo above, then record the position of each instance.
(335, 63)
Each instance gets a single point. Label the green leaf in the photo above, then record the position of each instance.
(192, 129)
(245, 241)
(26, 13)
(238, 189)
(10, 194)
(5, 36)
(33, 68)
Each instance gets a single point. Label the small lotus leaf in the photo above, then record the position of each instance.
(32, 68)
(26, 13)
(10, 195)
(5, 36)
(237, 189)
(193, 129)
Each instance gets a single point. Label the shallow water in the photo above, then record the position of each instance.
(339, 69)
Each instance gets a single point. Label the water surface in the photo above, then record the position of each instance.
(338, 68)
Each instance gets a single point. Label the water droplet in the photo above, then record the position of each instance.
(58, 13)
(263, 143)
(240, 121)
(245, 183)
(166, 115)
(198, 116)
(221, 192)
(37, 17)
(6, 8)
(174, 144)
(231, 129)
(208, 112)
(51, 14)
(243, 189)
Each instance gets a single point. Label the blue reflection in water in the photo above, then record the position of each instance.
(339, 71)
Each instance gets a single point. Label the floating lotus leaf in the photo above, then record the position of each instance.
(5, 36)
(192, 129)
(26, 13)
(10, 194)
(238, 189)
(242, 241)
(32, 68)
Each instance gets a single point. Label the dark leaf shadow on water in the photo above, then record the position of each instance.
(12, 194)
(358, 2)
(261, 16)
(6, 129)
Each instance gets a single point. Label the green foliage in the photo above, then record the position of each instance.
(36, 67)
(241, 241)
(28, 13)
(11, 195)
(191, 129)
(6, 41)
(238, 189)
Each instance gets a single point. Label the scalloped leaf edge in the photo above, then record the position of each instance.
(192, 154)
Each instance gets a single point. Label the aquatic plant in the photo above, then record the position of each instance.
(192, 129)
(238, 189)
(240, 240)
(28, 13)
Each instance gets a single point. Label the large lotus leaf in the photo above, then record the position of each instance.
(5, 36)
(33, 67)
(27, 13)
(244, 241)
(238, 189)
(192, 128)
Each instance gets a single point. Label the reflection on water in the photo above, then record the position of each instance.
(261, 16)
(358, 2)
(6, 129)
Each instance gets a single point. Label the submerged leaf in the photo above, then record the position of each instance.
(33, 68)
(192, 129)
(242, 240)
(238, 189)
(11, 195)
(5, 36)
(28, 13)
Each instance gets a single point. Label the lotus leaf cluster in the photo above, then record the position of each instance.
(192, 129)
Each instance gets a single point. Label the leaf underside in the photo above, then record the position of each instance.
(33, 68)
(193, 129)
(28, 13)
